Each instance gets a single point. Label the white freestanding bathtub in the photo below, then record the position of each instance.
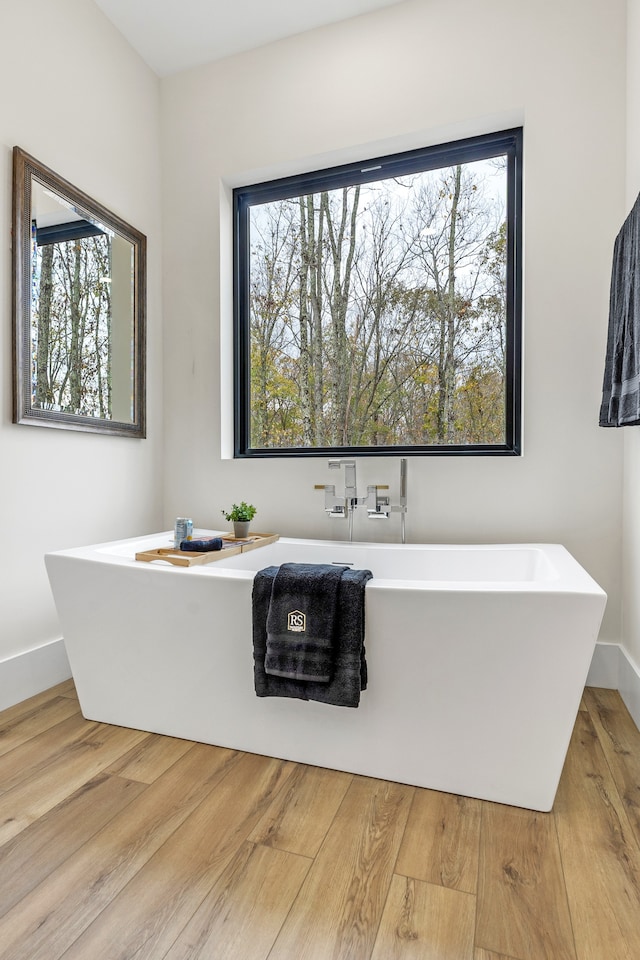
(477, 658)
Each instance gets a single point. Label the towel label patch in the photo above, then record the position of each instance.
(296, 621)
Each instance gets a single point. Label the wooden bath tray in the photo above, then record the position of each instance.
(231, 546)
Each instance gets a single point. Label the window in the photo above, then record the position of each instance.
(377, 305)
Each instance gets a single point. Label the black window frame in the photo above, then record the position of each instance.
(63, 232)
(503, 143)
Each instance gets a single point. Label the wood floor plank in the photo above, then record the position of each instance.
(10, 714)
(30, 857)
(243, 913)
(423, 921)
(79, 762)
(45, 749)
(298, 819)
(620, 741)
(45, 923)
(17, 732)
(600, 856)
(66, 689)
(150, 758)
(338, 909)
(441, 841)
(481, 954)
(161, 899)
(522, 908)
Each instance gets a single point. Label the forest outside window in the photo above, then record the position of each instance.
(378, 305)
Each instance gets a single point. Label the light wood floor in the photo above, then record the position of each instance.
(122, 845)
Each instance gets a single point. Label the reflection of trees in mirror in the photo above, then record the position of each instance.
(378, 311)
(71, 321)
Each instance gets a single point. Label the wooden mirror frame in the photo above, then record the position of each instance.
(25, 170)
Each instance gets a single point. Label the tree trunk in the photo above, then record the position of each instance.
(43, 393)
(339, 307)
(75, 349)
(446, 362)
(303, 301)
(316, 300)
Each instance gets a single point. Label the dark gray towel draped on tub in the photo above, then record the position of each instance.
(349, 667)
(621, 387)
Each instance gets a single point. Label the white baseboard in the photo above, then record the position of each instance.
(612, 667)
(629, 686)
(605, 666)
(26, 674)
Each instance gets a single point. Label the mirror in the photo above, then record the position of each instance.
(79, 294)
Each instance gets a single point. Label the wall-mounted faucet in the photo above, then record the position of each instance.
(341, 507)
(379, 506)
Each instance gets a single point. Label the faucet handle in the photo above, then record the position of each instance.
(377, 505)
(334, 506)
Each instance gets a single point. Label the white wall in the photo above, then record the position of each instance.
(76, 97)
(416, 73)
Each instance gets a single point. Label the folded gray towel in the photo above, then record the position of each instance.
(266, 685)
(349, 667)
(201, 546)
(301, 621)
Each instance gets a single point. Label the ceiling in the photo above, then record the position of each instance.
(174, 35)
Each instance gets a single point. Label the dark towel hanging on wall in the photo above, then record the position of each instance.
(621, 387)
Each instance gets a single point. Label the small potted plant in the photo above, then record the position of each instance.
(241, 516)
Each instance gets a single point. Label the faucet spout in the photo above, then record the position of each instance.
(350, 487)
